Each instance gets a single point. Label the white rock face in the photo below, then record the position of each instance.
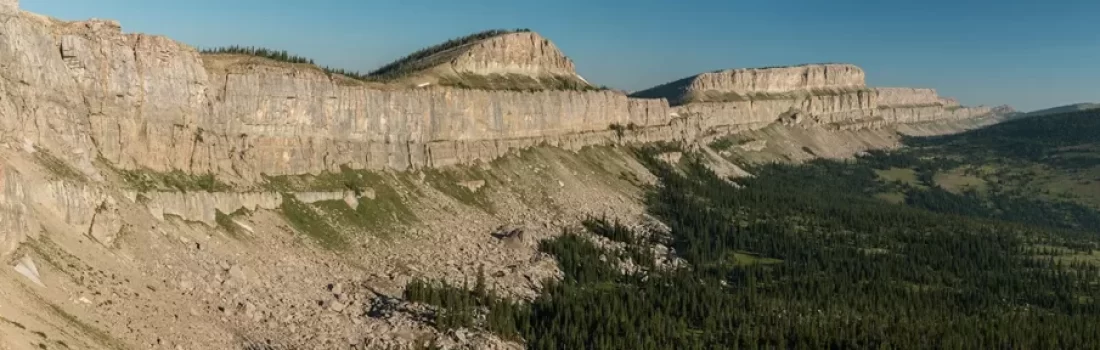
(816, 77)
(146, 102)
(8, 7)
(525, 53)
(16, 219)
(80, 205)
(907, 97)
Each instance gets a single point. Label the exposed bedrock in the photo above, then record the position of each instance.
(84, 90)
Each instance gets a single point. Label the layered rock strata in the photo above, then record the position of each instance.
(911, 105)
(837, 94)
(525, 53)
(84, 90)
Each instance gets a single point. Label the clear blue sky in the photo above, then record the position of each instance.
(1028, 53)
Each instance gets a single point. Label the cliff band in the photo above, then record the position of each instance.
(86, 90)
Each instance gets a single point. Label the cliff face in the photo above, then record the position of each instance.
(516, 53)
(829, 93)
(84, 90)
(749, 82)
(490, 60)
(9, 6)
(761, 84)
(907, 97)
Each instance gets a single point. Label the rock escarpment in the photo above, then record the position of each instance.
(761, 84)
(490, 60)
(909, 105)
(818, 93)
(516, 53)
(85, 90)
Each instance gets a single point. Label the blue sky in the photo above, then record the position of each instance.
(1029, 54)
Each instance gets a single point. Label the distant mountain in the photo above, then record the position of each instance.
(1063, 109)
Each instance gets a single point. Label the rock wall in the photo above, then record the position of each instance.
(8, 7)
(16, 221)
(813, 77)
(84, 90)
(758, 113)
(914, 105)
(761, 83)
(524, 53)
(907, 97)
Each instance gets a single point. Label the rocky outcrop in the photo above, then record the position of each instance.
(490, 60)
(746, 99)
(525, 53)
(913, 105)
(895, 97)
(761, 84)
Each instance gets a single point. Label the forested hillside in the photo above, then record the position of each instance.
(987, 239)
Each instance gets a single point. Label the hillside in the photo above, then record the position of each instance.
(949, 243)
(1063, 109)
(151, 192)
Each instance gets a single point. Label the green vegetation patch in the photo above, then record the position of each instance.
(355, 180)
(226, 223)
(959, 181)
(58, 167)
(381, 202)
(450, 182)
(144, 180)
(312, 223)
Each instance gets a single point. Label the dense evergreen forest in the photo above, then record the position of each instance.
(940, 245)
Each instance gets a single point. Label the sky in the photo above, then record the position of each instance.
(1028, 54)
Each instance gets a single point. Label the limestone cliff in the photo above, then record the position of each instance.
(84, 90)
(746, 99)
(907, 97)
(493, 60)
(910, 105)
(9, 6)
(518, 53)
(761, 84)
(753, 98)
